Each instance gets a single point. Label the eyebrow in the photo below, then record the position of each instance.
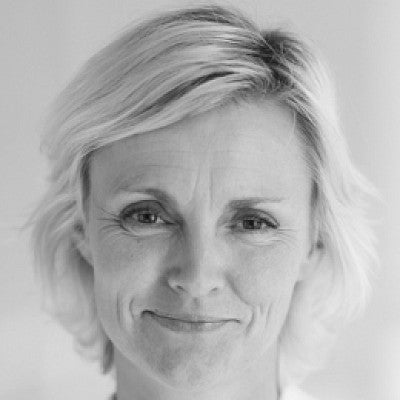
(232, 205)
(251, 201)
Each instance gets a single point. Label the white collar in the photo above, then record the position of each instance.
(294, 393)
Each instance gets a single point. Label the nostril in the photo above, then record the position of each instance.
(179, 287)
(195, 289)
(194, 281)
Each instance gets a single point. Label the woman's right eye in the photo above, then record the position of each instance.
(143, 215)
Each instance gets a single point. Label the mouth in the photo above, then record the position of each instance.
(188, 323)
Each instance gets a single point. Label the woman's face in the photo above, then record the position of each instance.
(198, 233)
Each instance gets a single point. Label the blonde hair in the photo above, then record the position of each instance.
(181, 64)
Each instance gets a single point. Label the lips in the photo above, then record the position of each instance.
(186, 317)
(188, 322)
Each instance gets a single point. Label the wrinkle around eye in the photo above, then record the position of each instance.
(270, 237)
(115, 231)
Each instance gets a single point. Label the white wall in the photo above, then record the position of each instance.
(43, 42)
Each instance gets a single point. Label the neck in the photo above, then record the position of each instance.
(258, 382)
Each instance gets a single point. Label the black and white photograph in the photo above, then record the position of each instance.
(200, 200)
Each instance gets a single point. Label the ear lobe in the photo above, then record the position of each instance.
(81, 242)
(312, 261)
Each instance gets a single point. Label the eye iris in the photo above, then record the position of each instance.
(252, 224)
(147, 217)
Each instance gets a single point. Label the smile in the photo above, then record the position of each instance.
(188, 323)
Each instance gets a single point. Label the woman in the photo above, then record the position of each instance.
(204, 232)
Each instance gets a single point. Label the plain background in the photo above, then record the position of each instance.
(43, 42)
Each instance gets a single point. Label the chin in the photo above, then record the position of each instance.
(181, 369)
(189, 376)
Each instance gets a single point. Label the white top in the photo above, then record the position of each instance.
(294, 393)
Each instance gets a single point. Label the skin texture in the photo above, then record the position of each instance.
(202, 249)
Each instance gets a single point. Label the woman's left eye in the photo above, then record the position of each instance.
(254, 223)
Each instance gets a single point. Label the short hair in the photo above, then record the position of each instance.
(179, 64)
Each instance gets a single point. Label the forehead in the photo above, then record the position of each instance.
(249, 148)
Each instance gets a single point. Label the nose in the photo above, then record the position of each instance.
(199, 269)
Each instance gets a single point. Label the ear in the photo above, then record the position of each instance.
(80, 239)
(312, 261)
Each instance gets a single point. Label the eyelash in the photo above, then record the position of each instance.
(261, 220)
(249, 215)
(133, 209)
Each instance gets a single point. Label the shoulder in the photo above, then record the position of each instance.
(294, 393)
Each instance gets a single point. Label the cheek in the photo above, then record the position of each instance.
(117, 258)
(124, 268)
(264, 280)
(266, 274)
